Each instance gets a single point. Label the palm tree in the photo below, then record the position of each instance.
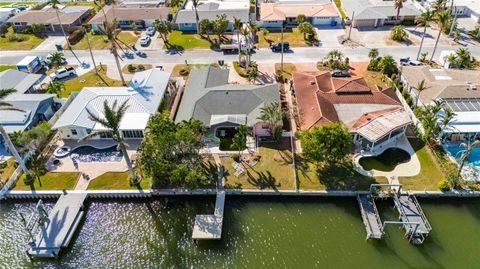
(86, 30)
(373, 54)
(273, 114)
(110, 30)
(54, 4)
(446, 119)
(245, 31)
(335, 55)
(237, 27)
(197, 18)
(56, 59)
(55, 87)
(239, 141)
(6, 106)
(305, 28)
(466, 153)
(112, 116)
(399, 5)
(420, 88)
(253, 73)
(424, 20)
(442, 18)
(439, 5)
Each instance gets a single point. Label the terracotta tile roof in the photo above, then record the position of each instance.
(280, 11)
(318, 93)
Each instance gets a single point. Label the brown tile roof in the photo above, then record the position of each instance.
(317, 93)
(131, 14)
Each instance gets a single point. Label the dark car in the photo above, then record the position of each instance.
(278, 47)
(340, 73)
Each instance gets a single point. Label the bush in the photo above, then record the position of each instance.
(444, 185)
(27, 30)
(239, 70)
(15, 38)
(75, 36)
(140, 67)
(184, 72)
(236, 157)
(374, 65)
(131, 68)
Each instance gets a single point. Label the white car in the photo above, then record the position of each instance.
(63, 73)
(145, 40)
(150, 31)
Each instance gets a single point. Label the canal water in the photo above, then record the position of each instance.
(258, 233)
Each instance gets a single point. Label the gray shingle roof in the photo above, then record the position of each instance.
(208, 94)
(20, 81)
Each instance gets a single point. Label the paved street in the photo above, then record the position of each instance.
(298, 55)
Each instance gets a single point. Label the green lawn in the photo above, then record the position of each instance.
(273, 171)
(30, 42)
(17, 3)
(340, 177)
(180, 40)
(116, 181)
(6, 67)
(430, 173)
(374, 78)
(8, 170)
(288, 70)
(89, 79)
(294, 38)
(50, 181)
(98, 41)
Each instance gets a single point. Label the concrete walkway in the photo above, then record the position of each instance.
(408, 169)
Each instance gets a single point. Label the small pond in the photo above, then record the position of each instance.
(387, 161)
(90, 154)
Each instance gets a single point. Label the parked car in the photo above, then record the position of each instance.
(145, 40)
(150, 31)
(63, 73)
(278, 47)
(337, 73)
(407, 61)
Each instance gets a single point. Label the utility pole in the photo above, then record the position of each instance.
(281, 62)
(351, 25)
(454, 8)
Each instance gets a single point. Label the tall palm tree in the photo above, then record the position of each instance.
(197, 18)
(446, 118)
(419, 88)
(237, 27)
(86, 30)
(111, 31)
(54, 4)
(424, 20)
(466, 153)
(112, 116)
(245, 31)
(442, 18)
(439, 5)
(273, 114)
(7, 106)
(55, 87)
(399, 5)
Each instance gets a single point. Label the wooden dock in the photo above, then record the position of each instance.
(209, 227)
(58, 229)
(414, 220)
(370, 216)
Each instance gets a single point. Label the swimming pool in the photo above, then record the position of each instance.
(90, 154)
(474, 158)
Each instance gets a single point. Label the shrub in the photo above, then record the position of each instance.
(184, 72)
(27, 30)
(374, 65)
(140, 67)
(236, 157)
(75, 36)
(398, 33)
(239, 70)
(131, 68)
(444, 185)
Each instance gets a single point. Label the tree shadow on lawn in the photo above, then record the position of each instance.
(342, 176)
(262, 180)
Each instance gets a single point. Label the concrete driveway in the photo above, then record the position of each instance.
(328, 35)
(49, 43)
(156, 43)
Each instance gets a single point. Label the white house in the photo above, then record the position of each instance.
(144, 95)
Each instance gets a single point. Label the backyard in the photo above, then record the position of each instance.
(6, 169)
(90, 79)
(98, 42)
(430, 173)
(21, 42)
(341, 176)
(273, 171)
(116, 181)
(294, 37)
(288, 70)
(181, 41)
(50, 181)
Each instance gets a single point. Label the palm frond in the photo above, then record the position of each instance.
(96, 118)
(93, 134)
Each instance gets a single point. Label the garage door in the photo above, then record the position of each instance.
(364, 23)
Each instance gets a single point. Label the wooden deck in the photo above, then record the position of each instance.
(60, 226)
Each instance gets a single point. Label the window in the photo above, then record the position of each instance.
(89, 131)
(132, 134)
(106, 135)
(187, 24)
(74, 131)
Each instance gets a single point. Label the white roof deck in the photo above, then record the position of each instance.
(382, 125)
